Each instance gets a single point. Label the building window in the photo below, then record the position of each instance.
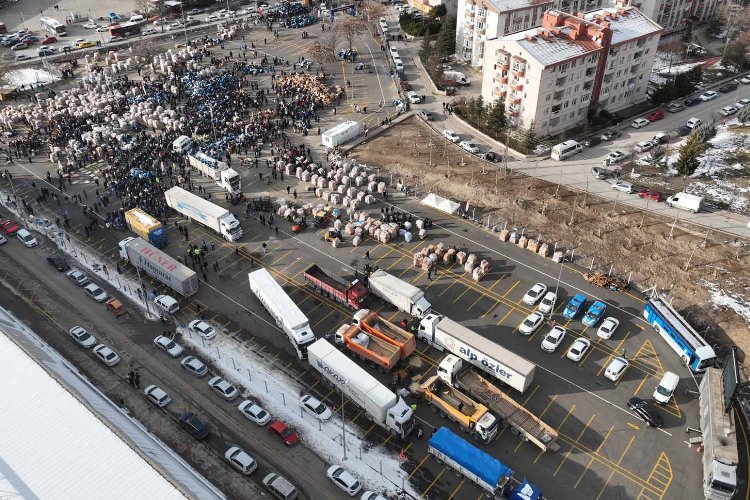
(549, 97)
(585, 97)
(556, 109)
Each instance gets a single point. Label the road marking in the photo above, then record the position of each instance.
(578, 439)
(566, 418)
(613, 354)
(583, 473)
(475, 302)
(632, 438)
(605, 485)
(493, 306)
(510, 289)
(599, 448)
(565, 458)
(633, 426)
(461, 295)
(418, 466)
(457, 488)
(433, 482)
(504, 317)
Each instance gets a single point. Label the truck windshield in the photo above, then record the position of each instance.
(722, 486)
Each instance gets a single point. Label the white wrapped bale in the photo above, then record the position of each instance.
(422, 234)
(341, 189)
(335, 198)
(381, 187)
(327, 195)
(345, 180)
(332, 185)
(420, 223)
(321, 182)
(369, 199)
(361, 196)
(354, 204)
(407, 236)
(345, 201)
(358, 231)
(384, 236)
(359, 181)
(351, 192)
(349, 229)
(372, 178)
(372, 186)
(298, 172)
(337, 224)
(305, 176)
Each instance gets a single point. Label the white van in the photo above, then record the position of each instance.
(693, 123)
(279, 487)
(565, 149)
(137, 19)
(457, 77)
(182, 144)
(394, 52)
(666, 387)
(685, 201)
(167, 304)
(399, 65)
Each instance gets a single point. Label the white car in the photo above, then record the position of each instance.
(578, 349)
(624, 186)
(96, 293)
(615, 157)
(212, 17)
(166, 344)
(548, 303)
(194, 366)
(167, 303)
(639, 123)
(344, 480)
(469, 147)
(2, 239)
(203, 329)
(27, 238)
(371, 495)
(414, 98)
(535, 293)
(223, 388)
(728, 110)
(553, 339)
(314, 407)
(616, 369)
(708, 95)
(106, 355)
(103, 29)
(157, 396)
(77, 277)
(745, 80)
(741, 103)
(150, 31)
(91, 25)
(608, 327)
(254, 413)
(644, 146)
(240, 460)
(531, 323)
(84, 338)
(451, 136)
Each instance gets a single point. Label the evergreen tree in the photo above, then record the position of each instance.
(496, 121)
(425, 50)
(529, 139)
(706, 131)
(744, 115)
(688, 160)
(446, 42)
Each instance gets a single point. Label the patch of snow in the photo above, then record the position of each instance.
(29, 76)
(724, 299)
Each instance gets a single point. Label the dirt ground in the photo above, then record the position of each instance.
(682, 261)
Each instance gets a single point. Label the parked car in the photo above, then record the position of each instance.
(644, 146)
(548, 303)
(579, 348)
(253, 412)
(3, 240)
(745, 80)
(660, 138)
(591, 142)
(26, 238)
(106, 355)
(607, 328)
(655, 115)
(535, 293)
(194, 425)
(639, 123)
(59, 261)
(741, 103)
(314, 407)
(240, 460)
(728, 87)
(223, 388)
(610, 135)
(203, 329)
(95, 292)
(708, 96)
(615, 157)
(693, 123)
(574, 306)
(451, 136)
(405, 86)
(194, 366)
(650, 194)
(167, 303)
(344, 480)
(616, 368)
(82, 337)
(728, 110)
(489, 156)
(469, 147)
(594, 314)
(625, 187)
(646, 411)
(49, 40)
(426, 115)
(46, 51)
(530, 324)
(156, 395)
(170, 346)
(91, 25)
(675, 107)
(286, 434)
(691, 101)
(9, 227)
(553, 338)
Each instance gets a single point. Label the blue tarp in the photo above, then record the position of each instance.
(526, 491)
(485, 466)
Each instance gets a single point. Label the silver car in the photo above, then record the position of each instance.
(194, 366)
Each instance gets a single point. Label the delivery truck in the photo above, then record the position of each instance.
(685, 201)
(351, 294)
(160, 266)
(474, 464)
(405, 296)
(288, 316)
(445, 334)
(377, 326)
(147, 227)
(341, 133)
(370, 348)
(226, 178)
(473, 417)
(204, 212)
(385, 408)
(521, 421)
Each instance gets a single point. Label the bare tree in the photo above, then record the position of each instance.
(350, 29)
(373, 9)
(147, 49)
(323, 50)
(145, 6)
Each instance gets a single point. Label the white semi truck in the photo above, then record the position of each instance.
(286, 313)
(226, 177)
(159, 265)
(405, 296)
(384, 407)
(445, 334)
(204, 212)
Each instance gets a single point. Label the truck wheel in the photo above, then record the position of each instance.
(442, 414)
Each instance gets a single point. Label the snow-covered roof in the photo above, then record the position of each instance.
(55, 447)
(551, 49)
(626, 24)
(511, 5)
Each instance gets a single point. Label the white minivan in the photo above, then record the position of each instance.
(666, 387)
(167, 304)
(565, 149)
(26, 238)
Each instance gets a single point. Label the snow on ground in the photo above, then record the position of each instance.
(376, 467)
(663, 64)
(29, 76)
(724, 299)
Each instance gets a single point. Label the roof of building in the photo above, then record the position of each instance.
(626, 23)
(512, 5)
(549, 49)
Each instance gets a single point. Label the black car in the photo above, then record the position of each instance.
(59, 261)
(675, 107)
(728, 87)
(646, 411)
(684, 130)
(194, 425)
(490, 156)
(610, 135)
(591, 141)
(691, 101)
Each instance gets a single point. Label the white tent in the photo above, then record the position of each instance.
(440, 203)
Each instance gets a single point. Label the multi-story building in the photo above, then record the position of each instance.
(674, 15)
(572, 67)
(480, 20)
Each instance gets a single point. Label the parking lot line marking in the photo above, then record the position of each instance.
(387, 439)
(433, 483)
(599, 448)
(457, 488)
(493, 306)
(289, 364)
(566, 418)
(634, 426)
(395, 262)
(299, 376)
(370, 429)
(632, 438)
(586, 356)
(447, 288)
(418, 276)
(646, 377)
(583, 473)
(384, 256)
(565, 458)
(552, 400)
(323, 318)
(418, 466)
(475, 302)
(510, 289)
(533, 391)
(503, 318)
(612, 355)
(461, 295)
(313, 386)
(585, 427)
(605, 485)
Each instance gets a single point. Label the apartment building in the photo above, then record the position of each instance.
(674, 15)
(572, 67)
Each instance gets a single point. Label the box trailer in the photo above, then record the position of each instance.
(445, 334)
(351, 294)
(405, 296)
(226, 178)
(384, 407)
(376, 325)
(283, 309)
(204, 212)
(521, 421)
(159, 265)
(383, 355)
(147, 227)
(341, 133)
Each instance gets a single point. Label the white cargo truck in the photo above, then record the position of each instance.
(405, 296)
(226, 178)
(383, 406)
(445, 334)
(286, 313)
(341, 133)
(204, 212)
(160, 266)
(685, 201)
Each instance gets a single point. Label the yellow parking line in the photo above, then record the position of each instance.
(565, 458)
(583, 473)
(605, 485)
(448, 288)
(323, 318)
(475, 302)
(503, 318)
(632, 438)
(510, 289)
(418, 466)
(566, 418)
(433, 483)
(585, 427)
(396, 262)
(552, 400)
(461, 295)
(457, 488)
(493, 306)
(635, 393)
(614, 352)
(598, 449)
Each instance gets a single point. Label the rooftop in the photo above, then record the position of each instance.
(626, 23)
(549, 49)
(511, 5)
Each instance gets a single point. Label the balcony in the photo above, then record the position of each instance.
(499, 93)
(515, 99)
(469, 13)
(501, 79)
(514, 112)
(482, 14)
(481, 31)
(516, 87)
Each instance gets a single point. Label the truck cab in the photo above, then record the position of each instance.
(426, 330)
(400, 418)
(121, 247)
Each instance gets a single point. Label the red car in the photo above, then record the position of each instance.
(10, 227)
(405, 86)
(656, 115)
(650, 194)
(49, 40)
(287, 435)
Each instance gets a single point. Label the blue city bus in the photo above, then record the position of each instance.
(680, 336)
